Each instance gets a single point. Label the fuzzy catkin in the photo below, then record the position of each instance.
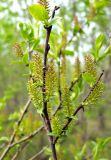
(35, 94)
(45, 3)
(77, 69)
(90, 66)
(18, 50)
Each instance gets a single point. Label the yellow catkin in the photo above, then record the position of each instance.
(56, 125)
(67, 105)
(77, 69)
(63, 73)
(18, 50)
(36, 68)
(96, 94)
(45, 3)
(90, 65)
(51, 80)
(35, 94)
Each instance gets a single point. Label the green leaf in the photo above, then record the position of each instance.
(54, 20)
(26, 30)
(39, 12)
(34, 44)
(68, 53)
(106, 52)
(51, 134)
(99, 41)
(89, 79)
(25, 58)
(3, 139)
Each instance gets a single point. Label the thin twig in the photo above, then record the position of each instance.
(20, 149)
(27, 138)
(38, 154)
(15, 131)
(81, 106)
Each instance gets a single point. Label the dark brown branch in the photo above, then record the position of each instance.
(15, 131)
(45, 115)
(81, 106)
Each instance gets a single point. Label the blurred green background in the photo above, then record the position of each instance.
(83, 21)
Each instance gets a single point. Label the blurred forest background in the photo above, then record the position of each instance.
(82, 22)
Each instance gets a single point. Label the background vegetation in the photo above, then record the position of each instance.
(80, 28)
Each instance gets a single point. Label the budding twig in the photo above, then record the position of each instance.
(81, 106)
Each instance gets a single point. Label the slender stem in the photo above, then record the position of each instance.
(20, 149)
(38, 154)
(27, 138)
(15, 131)
(45, 115)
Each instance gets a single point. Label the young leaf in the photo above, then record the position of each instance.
(68, 53)
(89, 79)
(99, 41)
(25, 58)
(39, 12)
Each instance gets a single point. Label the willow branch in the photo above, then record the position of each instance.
(81, 106)
(15, 131)
(45, 115)
(33, 134)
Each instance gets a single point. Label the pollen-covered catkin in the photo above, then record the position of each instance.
(45, 3)
(36, 68)
(67, 103)
(56, 125)
(35, 94)
(95, 94)
(51, 80)
(90, 66)
(77, 69)
(18, 50)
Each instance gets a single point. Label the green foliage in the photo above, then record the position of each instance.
(99, 53)
(26, 31)
(68, 53)
(99, 146)
(39, 12)
(68, 36)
